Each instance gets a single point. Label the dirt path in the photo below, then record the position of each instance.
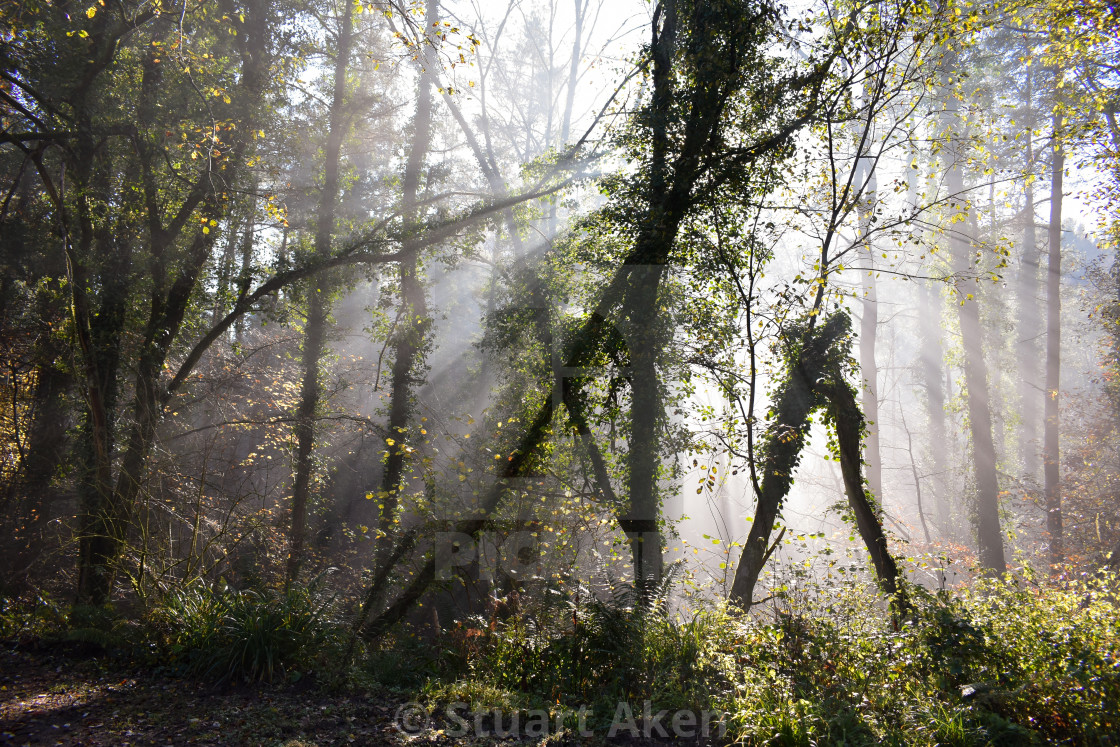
(58, 697)
(49, 698)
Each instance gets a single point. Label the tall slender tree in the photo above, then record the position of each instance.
(318, 294)
(412, 322)
(1052, 413)
(962, 236)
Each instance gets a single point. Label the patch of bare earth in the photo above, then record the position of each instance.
(52, 698)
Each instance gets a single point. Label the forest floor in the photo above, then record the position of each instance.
(61, 695)
(55, 697)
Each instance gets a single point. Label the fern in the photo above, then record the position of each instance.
(103, 639)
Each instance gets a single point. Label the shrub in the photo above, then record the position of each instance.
(621, 646)
(31, 617)
(39, 619)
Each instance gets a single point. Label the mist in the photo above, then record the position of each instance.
(474, 318)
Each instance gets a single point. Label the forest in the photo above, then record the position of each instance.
(560, 372)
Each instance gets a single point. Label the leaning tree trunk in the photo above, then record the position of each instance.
(849, 424)
(815, 379)
(780, 449)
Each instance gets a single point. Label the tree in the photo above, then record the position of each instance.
(961, 239)
(80, 149)
(318, 292)
(1051, 451)
(885, 59)
(197, 107)
(412, 323)
(718, 110)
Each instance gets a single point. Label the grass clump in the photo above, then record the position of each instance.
(246, 635)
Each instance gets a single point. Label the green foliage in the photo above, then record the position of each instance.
(98, 626)
(1001, 664)
(245, 635)
(39, 619)
(409, 663)
(622, 646)
(30, 618)
(1007, 663)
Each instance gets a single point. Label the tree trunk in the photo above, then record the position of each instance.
(1051, 453)
(848, 422)
(318, 304)
(100, 533)
(46, 450)
(408, 352)
(47, 435)
(641, 522)
(46, 438)
(869, 324)
(580, 8)
(932, 366)
(412, 326)
(815, 379)
(781, 453)
(640, 309)
(1029, 321)
(310, 391)
(988, 535)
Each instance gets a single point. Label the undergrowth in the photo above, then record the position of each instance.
(218, 634)
(1006, 662)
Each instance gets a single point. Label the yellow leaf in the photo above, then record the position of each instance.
(91, 12)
